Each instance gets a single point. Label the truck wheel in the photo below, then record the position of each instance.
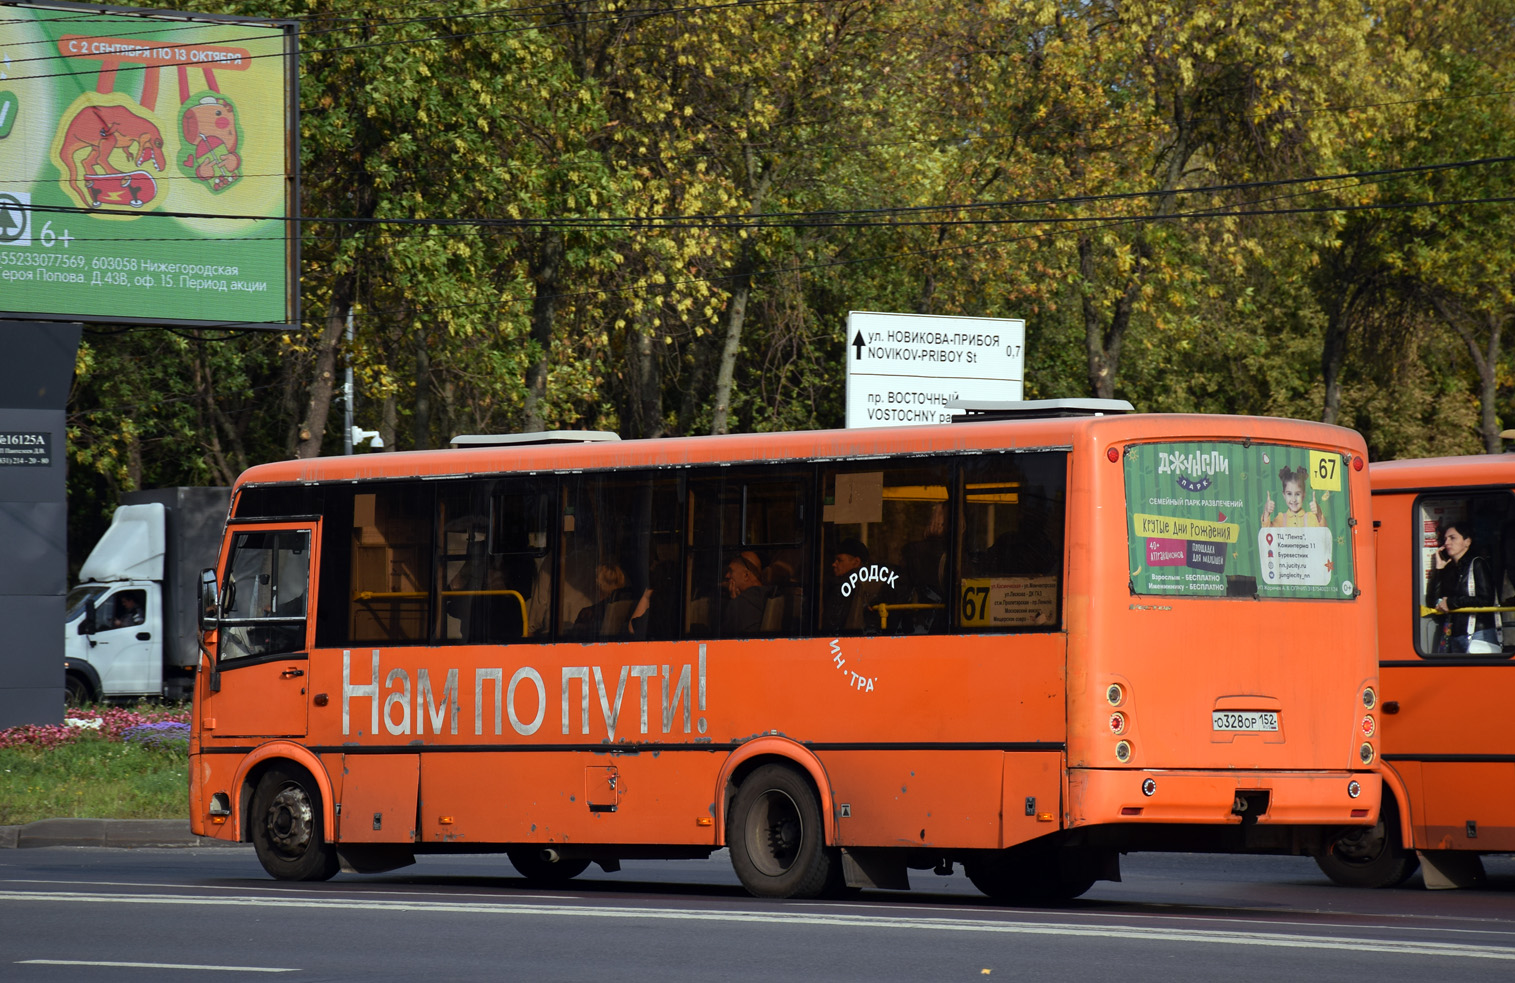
(1372, 856)
(542, 872)
(76, 691)
(286, 827)
(777, 839)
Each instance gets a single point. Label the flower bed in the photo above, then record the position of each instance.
(156, 727)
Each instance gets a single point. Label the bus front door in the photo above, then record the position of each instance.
(259, 683)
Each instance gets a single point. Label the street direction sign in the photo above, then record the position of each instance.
(903, 368)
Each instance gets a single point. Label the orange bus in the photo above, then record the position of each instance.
(1445, 534)
(1023, 643)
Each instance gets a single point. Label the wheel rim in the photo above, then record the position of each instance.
(289, 822)
(775, 833)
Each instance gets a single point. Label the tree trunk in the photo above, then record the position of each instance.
(642, 402)
(323, 385)
(420, 421)
(1485, 362)
(545, 271)
(736, 316)
(1103, 339)
(1333, 353)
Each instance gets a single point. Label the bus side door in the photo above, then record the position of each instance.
(265, 631)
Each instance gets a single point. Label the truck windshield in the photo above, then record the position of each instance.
(78, 596)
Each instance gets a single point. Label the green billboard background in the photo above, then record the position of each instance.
(1218, 519)
(144, 167)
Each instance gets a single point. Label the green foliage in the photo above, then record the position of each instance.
(628, 184)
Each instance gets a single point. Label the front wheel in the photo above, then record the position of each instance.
(1372, 856)
(286, 827)
(777, 839)
(543, 872)
(76, 691)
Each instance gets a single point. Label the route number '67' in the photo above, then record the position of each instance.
(975, 608)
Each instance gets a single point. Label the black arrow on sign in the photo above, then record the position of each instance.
(858, 342)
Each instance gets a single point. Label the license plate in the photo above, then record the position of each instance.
(1244, 720)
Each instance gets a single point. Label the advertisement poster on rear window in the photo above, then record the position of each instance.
(1216, 519)
(146, 166)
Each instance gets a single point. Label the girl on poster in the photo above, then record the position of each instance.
(1294, 513)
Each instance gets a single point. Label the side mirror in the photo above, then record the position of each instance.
(210, 603)
(87, 623)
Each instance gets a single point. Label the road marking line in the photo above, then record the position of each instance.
(1370, 946)
(120, 965)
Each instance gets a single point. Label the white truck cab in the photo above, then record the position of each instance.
(129, 628)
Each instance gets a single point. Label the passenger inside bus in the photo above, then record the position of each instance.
(849, 597)
(1461, 579)
(742, 614)
(609, 614)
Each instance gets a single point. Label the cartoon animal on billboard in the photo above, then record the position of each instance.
(104, 130)
(210, 132)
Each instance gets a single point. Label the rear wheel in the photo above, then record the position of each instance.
(286, 827)
(544, 872)
(1030, 875)
(1372, 856)
(776, 837)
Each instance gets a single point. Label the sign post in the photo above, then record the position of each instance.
(904, 368)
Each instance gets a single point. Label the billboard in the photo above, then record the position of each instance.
(147, 166)
(1226, 519)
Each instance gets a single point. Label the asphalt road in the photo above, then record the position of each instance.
(86, 914)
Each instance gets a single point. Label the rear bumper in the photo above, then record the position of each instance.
(1131, 795)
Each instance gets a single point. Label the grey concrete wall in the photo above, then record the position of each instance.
(36, 368)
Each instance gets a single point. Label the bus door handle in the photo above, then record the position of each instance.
(144, 636)
(292, 673)
(1391, 707)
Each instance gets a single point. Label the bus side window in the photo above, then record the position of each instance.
(747, 530)
(390, 570)
(1010, 541)
(884, 535)
(620, 577)
(1466, 547)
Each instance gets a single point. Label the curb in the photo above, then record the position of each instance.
(121, 834)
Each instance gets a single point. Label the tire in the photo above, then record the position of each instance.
(286, 827)
(542, 872)
(1029, 875)
(1372, 856)
(76, 691)
(776, 837)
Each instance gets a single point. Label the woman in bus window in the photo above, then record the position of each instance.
(1461, 580)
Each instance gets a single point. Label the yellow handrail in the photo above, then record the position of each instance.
(1426, 612)
(884, 609)
(416, 595)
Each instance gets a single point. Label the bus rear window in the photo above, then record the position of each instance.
(1225, 519)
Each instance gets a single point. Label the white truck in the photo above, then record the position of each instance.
(130, 630)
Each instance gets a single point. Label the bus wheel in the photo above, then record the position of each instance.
(777, 839)
(1371, 856)
(1029, 875)
(542, 872)
(286, 827)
